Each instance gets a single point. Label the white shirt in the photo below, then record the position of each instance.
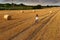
(36, 18)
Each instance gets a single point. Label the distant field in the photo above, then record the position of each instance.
(16, 8)
(22, 26)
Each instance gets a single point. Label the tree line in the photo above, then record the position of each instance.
(21, 6)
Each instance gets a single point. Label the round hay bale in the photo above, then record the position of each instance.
(33, 10)
(7, 17)
(50, 11)
(21, 11)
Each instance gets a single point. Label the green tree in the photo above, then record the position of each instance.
(37, 7)
(22, 4)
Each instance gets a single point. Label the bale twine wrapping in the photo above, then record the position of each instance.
(7, 17)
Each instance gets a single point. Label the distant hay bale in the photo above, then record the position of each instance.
(50, 11)
(33, 10)
(22, 11)
(7, 17)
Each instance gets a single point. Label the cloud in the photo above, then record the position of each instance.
(34, 1)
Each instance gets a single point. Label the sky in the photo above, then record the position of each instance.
(33, 2)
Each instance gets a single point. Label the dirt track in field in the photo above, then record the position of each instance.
(23, 26)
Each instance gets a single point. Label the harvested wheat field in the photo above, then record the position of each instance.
(22, 25)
